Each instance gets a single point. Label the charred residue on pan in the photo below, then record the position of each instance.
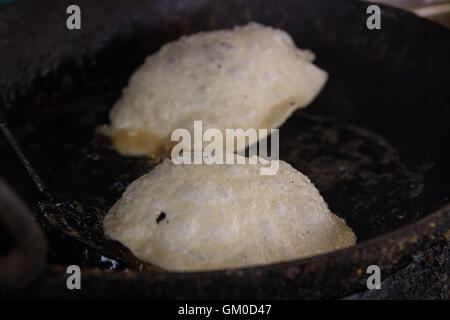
(161, 217)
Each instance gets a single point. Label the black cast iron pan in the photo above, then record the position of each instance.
(375, 142)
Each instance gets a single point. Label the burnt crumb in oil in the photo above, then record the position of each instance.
(161, 217)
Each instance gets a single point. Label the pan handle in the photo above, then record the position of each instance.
(27, 259)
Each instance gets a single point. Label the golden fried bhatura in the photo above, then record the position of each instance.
(207, 217)
(252, 76)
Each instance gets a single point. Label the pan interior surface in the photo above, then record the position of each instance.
(373, 142)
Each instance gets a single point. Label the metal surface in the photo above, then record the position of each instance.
(27, 259)
(374, 141)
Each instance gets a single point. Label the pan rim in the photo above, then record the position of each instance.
(423, 226)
